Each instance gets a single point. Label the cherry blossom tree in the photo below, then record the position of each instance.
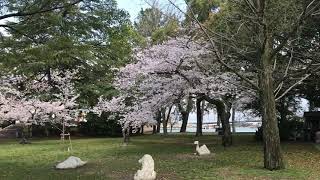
(165, 74)
(22, 100)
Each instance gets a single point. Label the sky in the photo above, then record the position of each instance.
(134, 6)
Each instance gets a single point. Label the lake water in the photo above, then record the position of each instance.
(193, 129)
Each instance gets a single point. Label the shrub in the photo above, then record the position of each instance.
(100, 126)
(287, 129)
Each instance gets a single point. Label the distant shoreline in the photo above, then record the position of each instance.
(211, 130)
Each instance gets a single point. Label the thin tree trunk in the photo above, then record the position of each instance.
(223, 111)
(126, 135)
(130, 131)
(202, 109)
(199, 117)
(154, 129)
(25, 134)
(283, 110)
(46, 131)
(49, 76)
(185, 114)
(30, 131)
(273, 158)
(218, 120)
(165, 120)
(227, 136)
(185, 117)
(233, 118)
(63, 130)
(311, 105)
(158, 121)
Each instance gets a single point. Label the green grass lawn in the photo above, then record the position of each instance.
(173, 156)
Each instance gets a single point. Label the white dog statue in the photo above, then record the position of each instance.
(147, 170)
(71, 163)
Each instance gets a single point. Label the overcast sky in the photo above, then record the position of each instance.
(134, 6)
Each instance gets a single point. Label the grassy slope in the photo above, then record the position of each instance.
(173, 156)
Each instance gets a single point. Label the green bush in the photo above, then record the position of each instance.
(287, 129)
(100, 126)
(291, 128)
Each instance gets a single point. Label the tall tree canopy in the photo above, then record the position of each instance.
(157, 24)
(92, 35)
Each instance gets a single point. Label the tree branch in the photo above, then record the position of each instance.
(215, 49)
(291, 87)
(297, 83)
(277, 90)
(20, 14)
(305, 14)
(19, 32)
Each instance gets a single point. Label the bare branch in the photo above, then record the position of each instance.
(19, 32)
(215, 49)
(313, 9)
(316, 13)
(304, 15)
(294, 85)
(251, 6)
(298, 82)
(20, 14)
(277, 90)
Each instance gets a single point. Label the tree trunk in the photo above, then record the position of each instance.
(126, 135)
(25, 134)
(158, 121)
(273, 158)
(202, 109)
(199, 117)
(142, 129)
(224, 113)
(185, 114)
(185, 117)
(154, 129)
(46, 130)
(30, 131)
(311, 105)
(233, 119)
(63, 130)
(130, 131)
(218, 120)
(227, 136)
(165, 120)
(223, 110)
